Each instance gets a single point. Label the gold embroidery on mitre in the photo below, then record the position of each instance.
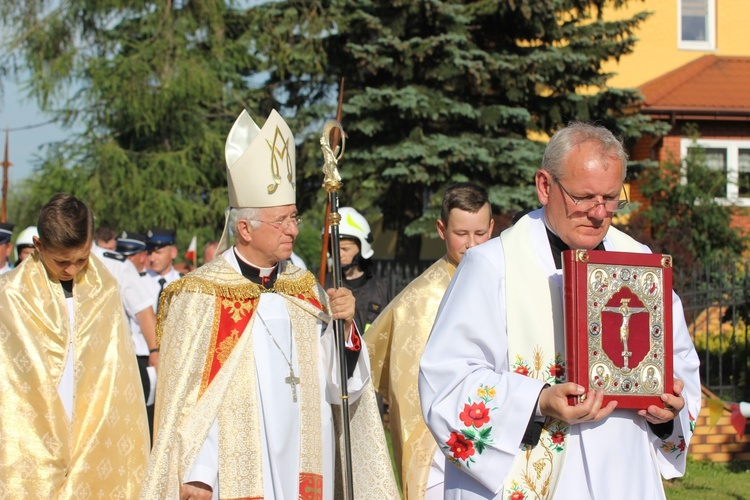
(280, 155)
(227, 346)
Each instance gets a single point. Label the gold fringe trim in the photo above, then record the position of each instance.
(287, 285)
(296, 286)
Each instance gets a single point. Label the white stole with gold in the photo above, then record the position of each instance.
(533, 352)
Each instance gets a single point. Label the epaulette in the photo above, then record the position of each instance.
(116, 256)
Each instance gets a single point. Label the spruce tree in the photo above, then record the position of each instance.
(446, 91)
(436, 92)
(155, 87)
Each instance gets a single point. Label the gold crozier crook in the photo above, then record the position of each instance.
(279, 154)
(332, 179)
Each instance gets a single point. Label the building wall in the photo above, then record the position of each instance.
(657, 52)
(668, 149)
(720, 442)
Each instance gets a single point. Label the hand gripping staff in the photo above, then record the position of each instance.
(332, 184)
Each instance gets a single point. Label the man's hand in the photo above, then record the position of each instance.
(195, 490)
(553, 402)
(342, 306)
(673, 403)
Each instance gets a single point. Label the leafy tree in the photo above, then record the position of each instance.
(446, 91)
(155, 86)
(683, 216)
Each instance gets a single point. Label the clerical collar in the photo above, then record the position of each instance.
(264, 276)
(557, 245)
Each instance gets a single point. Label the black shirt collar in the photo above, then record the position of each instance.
(557, 245)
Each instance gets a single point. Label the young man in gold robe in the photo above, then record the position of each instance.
(69, 423)
(397, 338)
(249, 378)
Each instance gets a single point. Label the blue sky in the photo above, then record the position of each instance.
(17, 113)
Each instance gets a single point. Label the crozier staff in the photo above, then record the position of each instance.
(248, 370)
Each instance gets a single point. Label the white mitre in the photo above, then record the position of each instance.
(260, 163)
(260, 166)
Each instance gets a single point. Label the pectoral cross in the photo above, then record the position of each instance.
(292, 381)
(626, 312)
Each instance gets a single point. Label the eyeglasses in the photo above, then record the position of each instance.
(283, 223)
(589, 203)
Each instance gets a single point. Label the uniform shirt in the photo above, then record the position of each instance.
(155, 286)
(135, 297)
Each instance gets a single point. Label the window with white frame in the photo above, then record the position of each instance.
(697, 24)
(732, 159)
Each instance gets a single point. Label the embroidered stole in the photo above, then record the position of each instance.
(230, 371)
(533, 352)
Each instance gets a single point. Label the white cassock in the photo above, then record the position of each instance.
(617, 457)
(279, 415)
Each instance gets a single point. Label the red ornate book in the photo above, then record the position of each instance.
(618, 325)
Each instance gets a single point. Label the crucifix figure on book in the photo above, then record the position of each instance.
(626, 311)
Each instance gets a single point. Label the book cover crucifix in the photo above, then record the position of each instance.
(618, 324)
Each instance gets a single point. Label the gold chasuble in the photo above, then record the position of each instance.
(395, 342)
(101, 450)
(208, 371)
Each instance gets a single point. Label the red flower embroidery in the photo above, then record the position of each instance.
(522, 370)
(517, 495)
(460, 447)
(557, 371)
(476, 414)
(558, 437)
(681, 446)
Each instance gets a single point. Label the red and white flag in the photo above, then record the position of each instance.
(192, 249)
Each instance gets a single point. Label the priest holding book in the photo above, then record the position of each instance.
(492, 377)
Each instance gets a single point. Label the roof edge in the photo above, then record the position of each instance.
(659, 87)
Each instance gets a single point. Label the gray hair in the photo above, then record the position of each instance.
(575, 134)
(249, 214)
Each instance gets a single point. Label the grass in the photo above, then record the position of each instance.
(710, 480)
